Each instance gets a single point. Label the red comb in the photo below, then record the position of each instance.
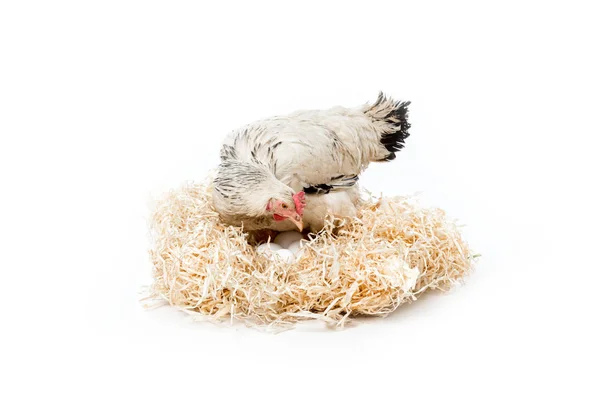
(300, 202)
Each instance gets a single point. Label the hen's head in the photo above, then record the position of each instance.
(288, 207)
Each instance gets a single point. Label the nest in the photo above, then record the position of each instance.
(394, 251)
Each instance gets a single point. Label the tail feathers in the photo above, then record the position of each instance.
(391, 118)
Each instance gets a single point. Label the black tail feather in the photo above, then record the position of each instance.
(395, 115)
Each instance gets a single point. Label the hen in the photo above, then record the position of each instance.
(290, 172)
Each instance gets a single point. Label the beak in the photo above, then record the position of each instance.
(297, 220)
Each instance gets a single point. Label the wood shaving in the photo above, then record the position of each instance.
(392, 253)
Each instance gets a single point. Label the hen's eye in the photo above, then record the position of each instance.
(284, 206)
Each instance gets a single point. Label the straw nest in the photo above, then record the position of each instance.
(392, 253)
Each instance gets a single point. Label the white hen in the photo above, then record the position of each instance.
(291, 171)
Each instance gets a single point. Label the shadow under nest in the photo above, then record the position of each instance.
(393, 252)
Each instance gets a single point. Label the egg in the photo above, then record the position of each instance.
(284, 239)
(296, 247)
(285, 255)
(268, 248)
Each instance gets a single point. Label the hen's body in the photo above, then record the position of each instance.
(318, 152)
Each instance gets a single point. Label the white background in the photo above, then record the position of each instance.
(104, 105)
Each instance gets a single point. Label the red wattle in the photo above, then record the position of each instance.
(278, 217)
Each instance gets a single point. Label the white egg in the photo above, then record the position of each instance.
(296, 247)
(268, 248)
(285, 255)
(284, 239)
